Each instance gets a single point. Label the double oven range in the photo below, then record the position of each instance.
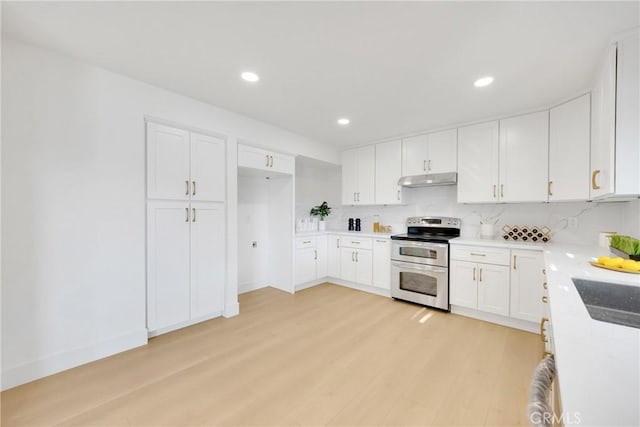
(420, 261)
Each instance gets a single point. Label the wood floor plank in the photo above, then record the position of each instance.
(327, 355)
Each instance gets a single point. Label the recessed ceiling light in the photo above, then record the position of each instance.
(484, 81)
(249, 76)
(344, 121)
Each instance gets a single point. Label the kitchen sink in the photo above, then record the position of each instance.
(610, 302)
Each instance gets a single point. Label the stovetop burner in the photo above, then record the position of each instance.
(430, 229)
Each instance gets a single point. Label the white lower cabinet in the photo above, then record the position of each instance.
(186, 263)
(527, 277)
(357, 265)
(311, 258)
(479, 286)
(381, 263)
(333, 255)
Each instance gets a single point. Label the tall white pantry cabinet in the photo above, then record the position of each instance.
(186, 232)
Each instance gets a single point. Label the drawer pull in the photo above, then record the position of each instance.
(476, 254)
(356, 243)
(381, 241)
(545, 299)
(305, 242)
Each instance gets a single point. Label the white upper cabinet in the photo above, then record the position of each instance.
(524, 158)
(414, 155)
(167, 163)
(603, 128)
(183, 165)
(256, 158)
(208, 171)
(388, 171)
(442, 151)
(358, 176)
(478, 155)
(569, 130)
(615, 151)
(432, 153)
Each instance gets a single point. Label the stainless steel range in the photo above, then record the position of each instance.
(420, 261)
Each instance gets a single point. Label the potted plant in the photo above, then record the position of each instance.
(322, 211)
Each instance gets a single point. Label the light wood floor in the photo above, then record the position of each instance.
(325, 356)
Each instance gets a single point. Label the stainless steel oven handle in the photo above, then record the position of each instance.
(418, 267)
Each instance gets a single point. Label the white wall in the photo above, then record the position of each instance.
(317, 182)
(441, 201)
(73, 197)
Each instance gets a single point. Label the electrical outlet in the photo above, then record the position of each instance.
(254, 244)
(572, 222)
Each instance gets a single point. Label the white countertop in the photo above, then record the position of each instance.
(344, 233)
(501, 243)
(598, 363)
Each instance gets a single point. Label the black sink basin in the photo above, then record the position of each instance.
(610, 302)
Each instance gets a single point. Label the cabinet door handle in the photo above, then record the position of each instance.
(515, 258)
(271, 161)
(545, 299)
(186, 188)
(187, 216)
(424, 165)
(338, 243)
(353, 256)
(477, 254)
(474, 274)
(542, 322)
(354, 196)
(429, 164)
(544, 285)
(357, 256)
(193, 214)
(358, 193)
(594, 175)
(549, 189)
(481, 274)
(267, 157)
(398, 194)
(193, 183)
(501, 190)
(494, 191)
(315, 254)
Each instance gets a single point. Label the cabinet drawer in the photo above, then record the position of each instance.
(356, 242)
(305, 242)
(480, 254)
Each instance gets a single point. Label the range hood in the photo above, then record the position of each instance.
(429, 180)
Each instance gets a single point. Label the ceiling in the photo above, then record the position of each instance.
(393, 68)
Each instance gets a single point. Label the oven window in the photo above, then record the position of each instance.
(418, 252)
(419, 282)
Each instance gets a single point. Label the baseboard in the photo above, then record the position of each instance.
(181, 325)
(248, 287)
(510, 322)
(231, 310)
(31, 371)
(346, 284)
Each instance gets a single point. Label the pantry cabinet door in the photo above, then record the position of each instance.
(168, 287)
(527, 280)
(208, 259)
(493, 289)
(569, 130)
(167, 162)
(208, 168)
(349, 176)
(442, 151)
(414, 155)
(388, 172)
(524, 158)
(478, 155)
(463, 286)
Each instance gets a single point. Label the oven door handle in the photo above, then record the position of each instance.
(418, 267)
